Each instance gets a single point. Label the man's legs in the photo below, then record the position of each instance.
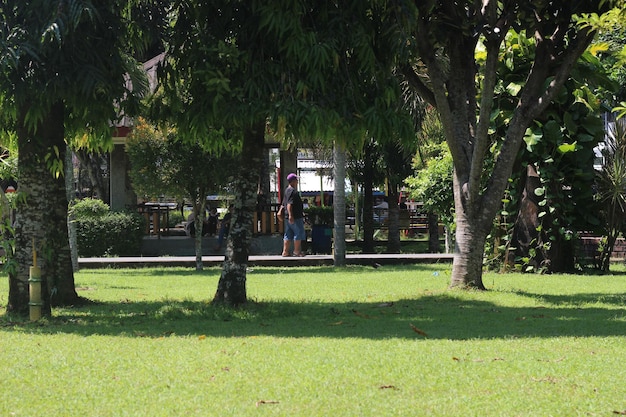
(297, 247)
(287, 238)
(286, 247)
(299, 236)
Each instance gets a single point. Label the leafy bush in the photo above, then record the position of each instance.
(175, 218)
(105, 233)
(89, 207)
(320, 214)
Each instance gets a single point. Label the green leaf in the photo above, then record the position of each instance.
(570, 123)
(514, 88)
(567, 147)
(540, 191)
(552, 131)
(532, 138)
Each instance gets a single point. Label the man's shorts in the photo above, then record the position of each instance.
(295, 231)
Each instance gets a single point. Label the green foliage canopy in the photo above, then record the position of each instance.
(74, 52)
(163, 164)
(308, 68)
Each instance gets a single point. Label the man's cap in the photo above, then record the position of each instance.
(292, 177)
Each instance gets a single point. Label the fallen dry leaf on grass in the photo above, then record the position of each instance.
(621, 413)
(258, 403)
(365, 316)
(383, 305)
(388, 387)
(418, 331)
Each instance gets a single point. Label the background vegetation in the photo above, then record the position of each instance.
(100, 232)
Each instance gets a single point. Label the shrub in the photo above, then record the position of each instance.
(320, 214)
(105, 233)
(89, 207)
(175, 218)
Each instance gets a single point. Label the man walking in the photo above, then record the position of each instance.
(294, 213)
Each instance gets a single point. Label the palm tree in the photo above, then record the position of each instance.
(62, 67)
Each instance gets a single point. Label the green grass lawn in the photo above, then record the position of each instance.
(359, 341)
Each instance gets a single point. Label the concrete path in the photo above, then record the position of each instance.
(271, 260)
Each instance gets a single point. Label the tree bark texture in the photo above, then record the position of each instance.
(339, 205)
(42, 216)
(199, 208)
(69, 193)
(368, 201)
(393, 219)
(467, 267)
(525, 232)
(433, 232)
(231, 288)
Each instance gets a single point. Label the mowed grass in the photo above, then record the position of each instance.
(359, 341)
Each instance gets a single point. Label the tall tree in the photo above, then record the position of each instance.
(445, 37)
(164, 164)
(303, 68)
(62, 65)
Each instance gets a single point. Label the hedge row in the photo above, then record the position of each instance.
(105, 233)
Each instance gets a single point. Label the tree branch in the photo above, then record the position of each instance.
(418, 85)
(533, 102)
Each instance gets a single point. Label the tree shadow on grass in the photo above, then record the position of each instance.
(441, 316)
(291, 270)
(578, 300)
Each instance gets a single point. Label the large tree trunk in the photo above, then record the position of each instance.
(467, 269)
(231, 288)
(339, 204)
(42, 216)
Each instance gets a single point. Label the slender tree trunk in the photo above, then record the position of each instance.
(231, 288)
(199, 207)
(393, 234)
(339, 204)
(448, 239)
(368, 202)
(69, 191)
(42, 216)
(433, 232)
(357, 210)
